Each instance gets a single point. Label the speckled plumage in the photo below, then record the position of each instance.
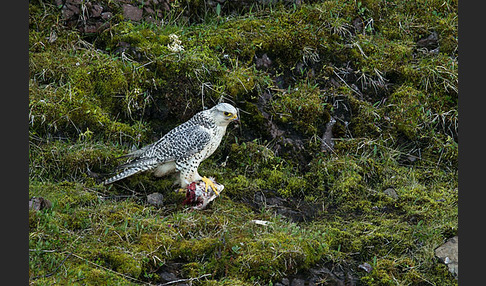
(183, 148)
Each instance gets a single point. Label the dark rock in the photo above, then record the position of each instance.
(327, 144)
(156, 199)
(263, 62)
(431, 42)
(89, 29)
(74, 2)
(295, 209)
(69, 11)
(132, 13)
(167, 276)
(298, 282)
(149, 10)
(358, 25)
(165, 5)
(318, 274)
(170, 272)
(96, 10)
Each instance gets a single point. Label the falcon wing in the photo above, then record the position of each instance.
(181, 144)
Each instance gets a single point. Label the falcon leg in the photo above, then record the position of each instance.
(210, 183)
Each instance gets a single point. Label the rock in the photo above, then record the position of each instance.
(297, 282)
(156, 199)
(431, 42)
(69, 11)
(448, 254)
(358, 25)
(106, 15)
(67, 14)
(264, 61)
(74, 2)
(391, 193)
(165, 5)
(316, 275)
(91, 28)
(327, 143)
(366, 267)
(96, 10)
(132, 13)
(296, 210)
(73, 8)
(39, 203)
(149, 10)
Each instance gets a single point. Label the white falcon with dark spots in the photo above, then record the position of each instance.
(183, 148)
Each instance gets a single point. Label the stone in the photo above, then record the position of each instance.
(297, 282)
(132, 13)
(430, 42)
(39, 203)
(96, 10)
(106, 15)
(391, 193)
(448, 254)
(366, 267)
(74, 2)
(156, 199)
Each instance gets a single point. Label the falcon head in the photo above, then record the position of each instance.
(224, 113)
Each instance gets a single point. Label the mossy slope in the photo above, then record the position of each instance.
(385, 195)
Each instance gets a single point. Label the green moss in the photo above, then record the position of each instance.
(70, 112)
(33, 219)
(366, 120)
(103, 79)
(411, 108)
(120, 262)
(239, 82)
(282, 251)
(191, 250)
(60, 161)
(379, 53)
(302, 105)
(253, 155)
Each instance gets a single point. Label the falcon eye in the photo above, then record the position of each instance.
(226, 113)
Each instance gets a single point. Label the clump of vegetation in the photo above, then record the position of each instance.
(303, 105)
(385, 194)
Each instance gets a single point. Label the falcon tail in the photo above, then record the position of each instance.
(131, 169)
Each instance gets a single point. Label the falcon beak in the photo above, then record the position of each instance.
(235, 117)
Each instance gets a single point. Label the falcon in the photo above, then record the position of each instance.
(183, 148)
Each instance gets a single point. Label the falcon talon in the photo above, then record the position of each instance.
(210, 183)
(199, 195)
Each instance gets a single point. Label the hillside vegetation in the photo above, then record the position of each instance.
(342, 168)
